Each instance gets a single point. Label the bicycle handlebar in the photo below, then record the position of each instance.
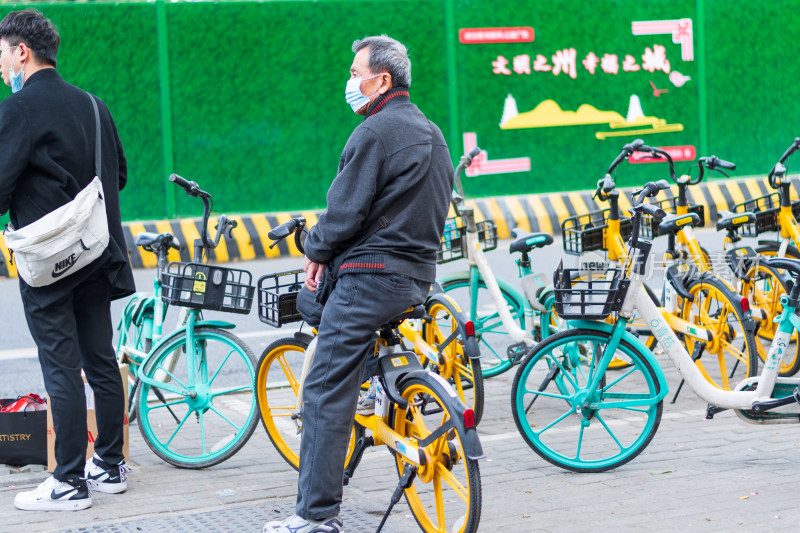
(296, 225)
(191, 187)
(779, 167)
(224, 224)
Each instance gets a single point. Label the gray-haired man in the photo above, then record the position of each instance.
(395, 158)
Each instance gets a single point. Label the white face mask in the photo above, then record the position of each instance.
(353, 94)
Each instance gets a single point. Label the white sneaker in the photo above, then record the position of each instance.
(54, 495)
(105, 477)
(366, 402)
(295, 524)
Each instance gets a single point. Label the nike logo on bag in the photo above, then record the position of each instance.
(63, 266)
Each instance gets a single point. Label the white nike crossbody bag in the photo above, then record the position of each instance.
(67, 239)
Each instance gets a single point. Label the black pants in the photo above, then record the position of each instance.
(73, 333)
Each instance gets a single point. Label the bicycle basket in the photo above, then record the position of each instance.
(277, 297)
(587, 294)
(766, 210)
(202, 286)
(584, 233)
(453, 244)
(649, 227)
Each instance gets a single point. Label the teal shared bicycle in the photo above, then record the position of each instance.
(507, 322)
(577, 413)
(192, 389)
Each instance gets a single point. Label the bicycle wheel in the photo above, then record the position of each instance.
(765, 288)
(201, 424)
(572, 426)
(454, 365)
(446, 494)
(134, 341)
(493, 338)
(279, 372)
(731, 354)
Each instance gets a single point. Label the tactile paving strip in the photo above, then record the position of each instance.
(239, 519)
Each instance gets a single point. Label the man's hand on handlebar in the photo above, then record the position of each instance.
(314, 272)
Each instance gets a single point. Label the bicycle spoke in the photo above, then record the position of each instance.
(608, 430)
(225, 418)
(452, 482)
(210, 381)
(289, 373)
(439, 502)
(168, 404)
(185, 418)
(201, 416)
(554, 422)
(230, 391)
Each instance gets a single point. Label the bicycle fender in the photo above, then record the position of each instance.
(469, 437)
(200, 323)
(471, 348)
(303, 337)
(504, 285)
(634, 342)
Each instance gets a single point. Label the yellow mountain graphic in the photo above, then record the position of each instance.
(549, 113)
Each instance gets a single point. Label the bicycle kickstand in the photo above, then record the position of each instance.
(406, 480)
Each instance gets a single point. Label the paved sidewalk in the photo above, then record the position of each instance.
(697, 475)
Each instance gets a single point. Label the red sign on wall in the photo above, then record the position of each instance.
(677, 153)
(495, 35)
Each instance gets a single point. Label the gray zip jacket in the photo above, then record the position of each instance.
(395, 150)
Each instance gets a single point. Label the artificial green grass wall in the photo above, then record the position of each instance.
(256, 89)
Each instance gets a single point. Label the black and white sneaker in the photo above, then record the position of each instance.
(295, 524)
(105, 477)
(54, 495)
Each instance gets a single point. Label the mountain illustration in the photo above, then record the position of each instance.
(549, 113)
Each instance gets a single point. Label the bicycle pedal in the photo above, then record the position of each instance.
(516, 351)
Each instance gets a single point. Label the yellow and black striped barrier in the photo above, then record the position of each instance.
(533, 212)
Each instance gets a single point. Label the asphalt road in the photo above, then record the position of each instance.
(19, 367)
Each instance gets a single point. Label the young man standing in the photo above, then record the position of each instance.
(47, 155)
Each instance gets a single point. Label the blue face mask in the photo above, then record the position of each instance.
(16, 77)
(353, 94)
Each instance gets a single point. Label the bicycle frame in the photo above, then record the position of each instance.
(638, 300)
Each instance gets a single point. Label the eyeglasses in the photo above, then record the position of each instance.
(8, 48)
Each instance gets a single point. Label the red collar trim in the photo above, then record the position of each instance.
(389, 96)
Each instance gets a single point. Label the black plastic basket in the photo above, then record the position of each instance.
(669, 205)
(453, 244)
(588, 295)
(277, 297)
(584, 233)
(202, 286)
(766, 209)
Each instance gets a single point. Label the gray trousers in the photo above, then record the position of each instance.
(357, 307)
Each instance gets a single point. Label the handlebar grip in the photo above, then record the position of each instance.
(177, 180)
(467, 158)
(653, 210)
(725, 164)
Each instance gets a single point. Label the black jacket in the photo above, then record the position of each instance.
(394, 151)
(47, 146)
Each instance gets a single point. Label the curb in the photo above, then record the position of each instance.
(534, 212)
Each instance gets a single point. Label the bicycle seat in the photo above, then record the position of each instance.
(526, 241)
(675, 223)
(785, 263)
(415, 311)
(732, 221)
(150, 241)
